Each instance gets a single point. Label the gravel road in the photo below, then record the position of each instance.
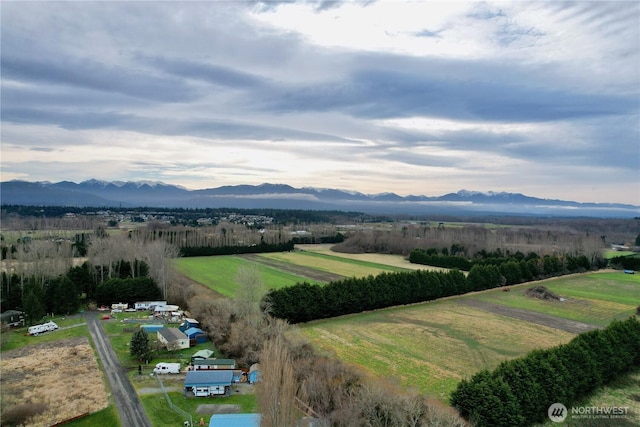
(129, 407)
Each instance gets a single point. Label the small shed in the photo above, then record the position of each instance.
(189, 323)
(202, 354)
(254, 373)
(207, 383)
(196, 336)
(13, 318)
(213, 364)
(235, 420)
(173, 338)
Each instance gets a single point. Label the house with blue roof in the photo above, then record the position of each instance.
(235, 420)
(208, 383)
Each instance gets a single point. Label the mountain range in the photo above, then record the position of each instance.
(95, 193)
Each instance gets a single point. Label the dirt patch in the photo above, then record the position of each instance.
(61, 379)
(210, 409)
(530, 316)
(541, 292)
(298, 270)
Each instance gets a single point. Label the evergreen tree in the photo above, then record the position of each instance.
(139, 348)
(32, 306)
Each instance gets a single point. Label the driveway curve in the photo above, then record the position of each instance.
(129, 407)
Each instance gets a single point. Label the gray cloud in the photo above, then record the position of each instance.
(214, 72)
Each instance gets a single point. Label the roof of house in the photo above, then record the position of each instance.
(172, 334)
(202, 354)
(254, 367)
(214, 362)
(203, 378)
(191, 321)
(193, 331)
(10, 313)
(235, 420)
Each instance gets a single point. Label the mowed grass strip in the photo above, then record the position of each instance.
(596, 298)
(430, 346)
(338, 265)
(386, 260)
(220, 273)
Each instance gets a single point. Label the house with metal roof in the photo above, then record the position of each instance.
(207, 383)
(173, 338)
(235, 420)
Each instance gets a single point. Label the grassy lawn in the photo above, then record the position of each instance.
(595, 298)
(220, 273)
(16, 338)
(608, 254)
(161, 415)
(108, 417)
(430, 346)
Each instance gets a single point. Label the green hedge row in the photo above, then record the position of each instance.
(519, 392)
(234, 250)
(304, 302)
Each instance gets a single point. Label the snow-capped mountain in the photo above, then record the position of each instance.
(98, 193)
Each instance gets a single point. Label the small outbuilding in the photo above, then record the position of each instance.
(207, 383)
(196, 336)
(235, 420)
(173, 338)
(202, 354)
(254, 373)
(189, 323)
(12, 318)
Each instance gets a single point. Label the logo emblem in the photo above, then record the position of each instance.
(557, 412)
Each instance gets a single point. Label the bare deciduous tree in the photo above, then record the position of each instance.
(276, 391)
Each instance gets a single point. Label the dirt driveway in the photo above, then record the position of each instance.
(530, 316)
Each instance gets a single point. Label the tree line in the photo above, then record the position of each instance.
(515, 268)
(519, 391)
(354, 295)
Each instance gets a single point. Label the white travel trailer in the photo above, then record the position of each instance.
(167, 368)
(40, 329)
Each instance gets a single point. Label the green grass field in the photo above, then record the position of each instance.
(16, 338)
(161, 415)
(430, 346)
(108, 417)
(343, 266)
(595, 298)
(219, 273)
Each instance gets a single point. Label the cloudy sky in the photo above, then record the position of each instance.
(541, 98)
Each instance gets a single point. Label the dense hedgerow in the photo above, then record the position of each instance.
(304, 301)
(519, 392)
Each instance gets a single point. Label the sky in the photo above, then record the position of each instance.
(415, 98)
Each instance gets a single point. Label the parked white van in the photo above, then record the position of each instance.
(167, 368)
